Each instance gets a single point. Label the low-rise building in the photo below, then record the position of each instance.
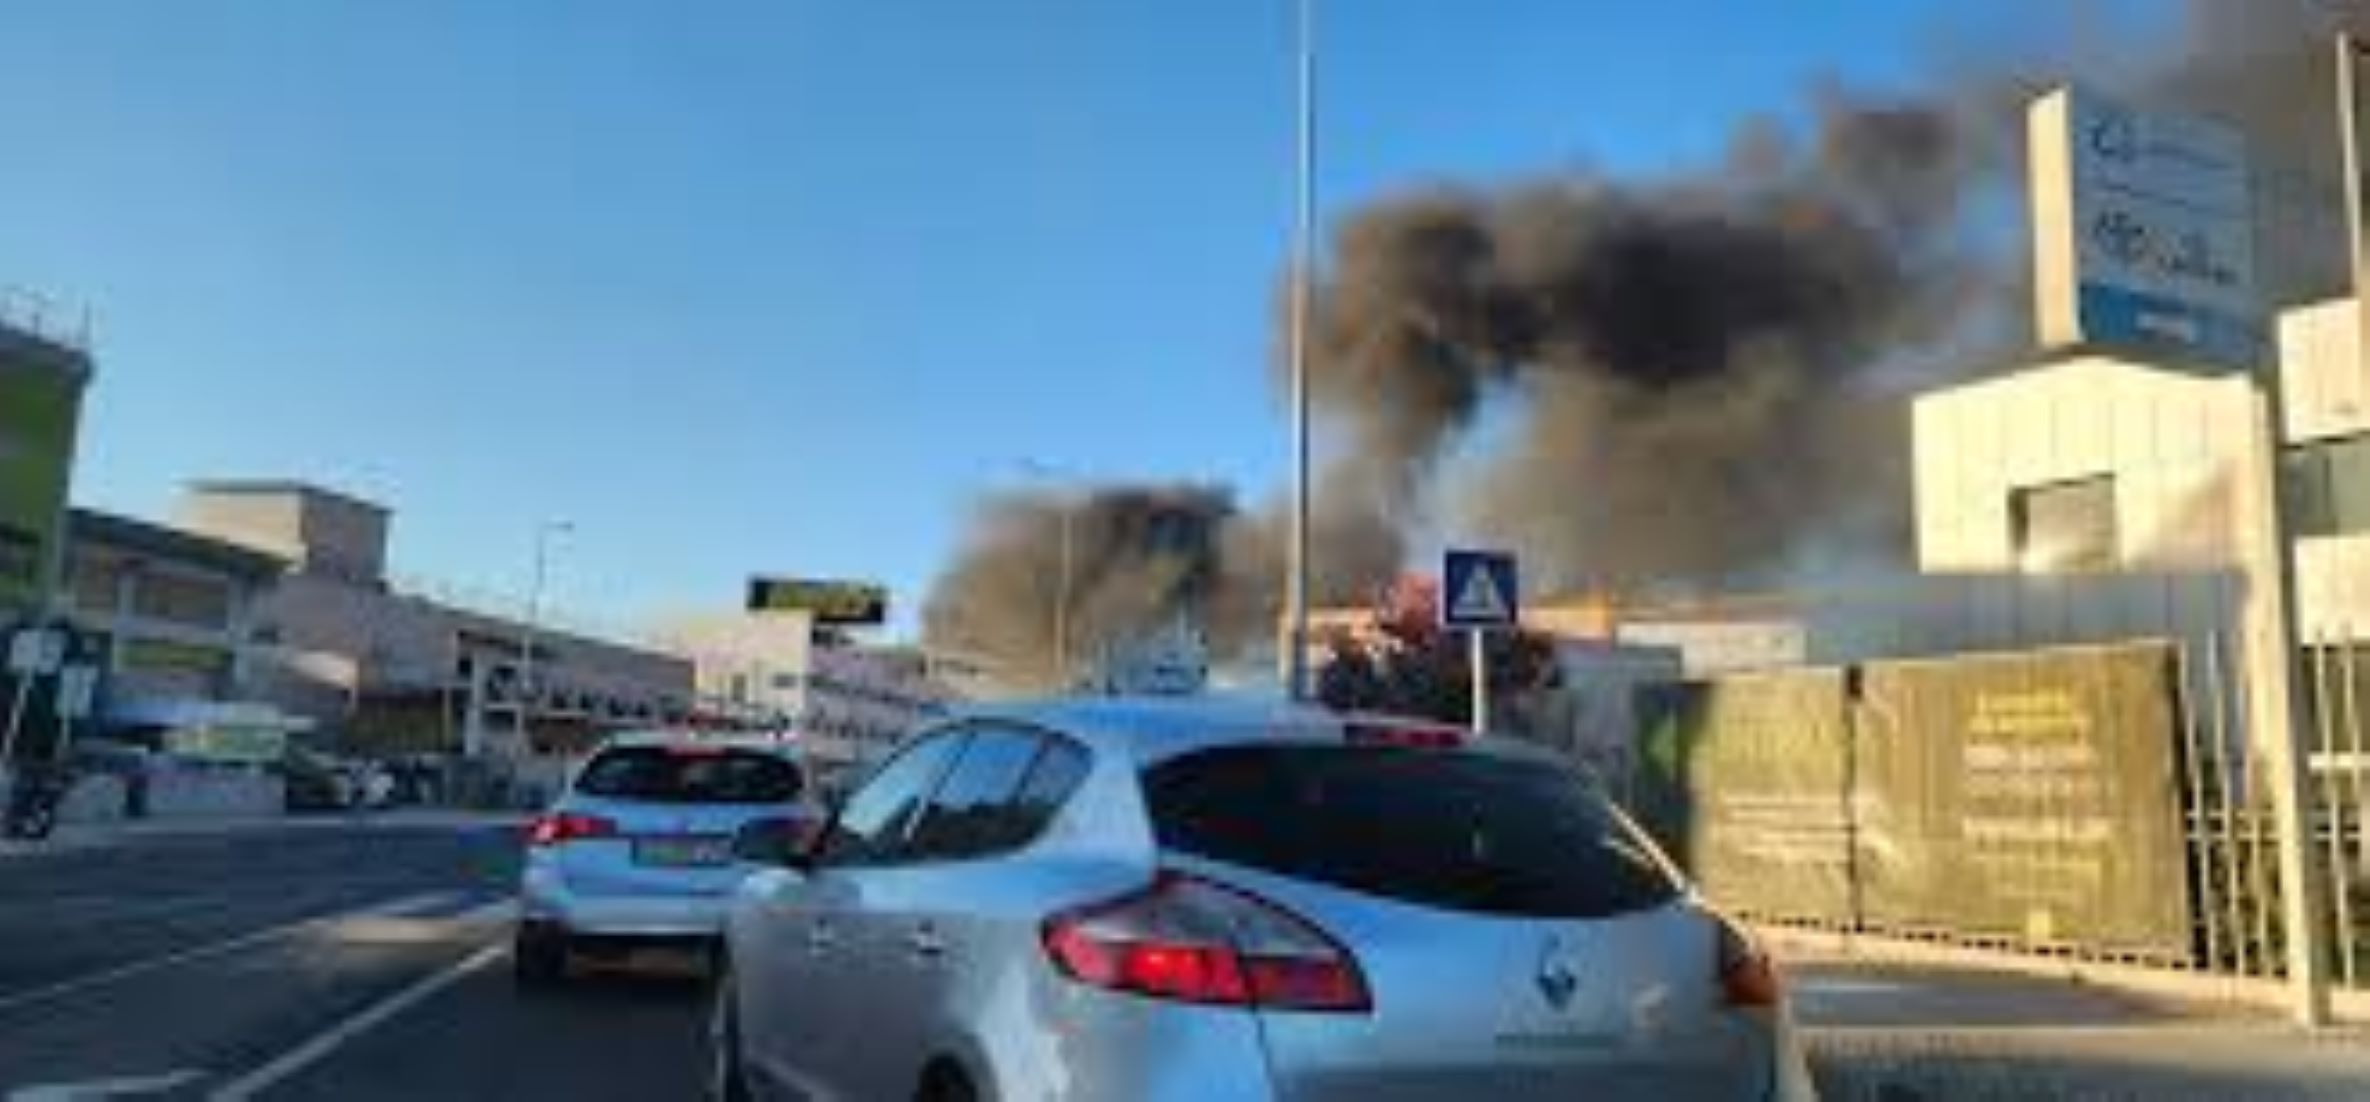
(398, 669)
(170, 617)
(844, 704)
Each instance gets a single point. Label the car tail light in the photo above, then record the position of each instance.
(1191, 940)
(1412, 735)
(1747, 976)
(567, 826)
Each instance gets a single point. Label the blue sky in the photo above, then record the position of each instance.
(775, 286)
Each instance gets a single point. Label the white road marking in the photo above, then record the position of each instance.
(1825, 985)
(103, 1088)
(500, 910)
(337, 1036)
(400, 905)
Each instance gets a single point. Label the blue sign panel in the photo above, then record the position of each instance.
(1477, 590)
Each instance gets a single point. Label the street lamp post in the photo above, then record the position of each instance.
(1061, 597)
(1303, 234)
(533, 626)
(1058, 661)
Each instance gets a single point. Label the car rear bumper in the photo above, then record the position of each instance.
(545, 897)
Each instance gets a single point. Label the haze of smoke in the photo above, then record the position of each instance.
(1134, 555)
(2268, 67)
(1684, 352)
(1706, 371)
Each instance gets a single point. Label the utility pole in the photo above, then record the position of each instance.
(525, 692)
(1066, 499)
(1061, 598)
(1296, 581)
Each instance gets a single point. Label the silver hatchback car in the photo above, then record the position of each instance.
(1196, 899)
(641, 848)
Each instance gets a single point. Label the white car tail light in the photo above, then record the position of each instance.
(1191, 940)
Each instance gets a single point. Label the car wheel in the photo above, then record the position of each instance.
(728, 1077)
(945, 1082)
(539, 956)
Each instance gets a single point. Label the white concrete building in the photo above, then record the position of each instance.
(844, 705)
(171, 615)
(411, 671)
(2092, 463)
(748, 667)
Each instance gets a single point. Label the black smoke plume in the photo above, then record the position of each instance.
(1691, 380)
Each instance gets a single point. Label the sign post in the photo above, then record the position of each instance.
(78, 690)
(1478, 595)
(32, 653)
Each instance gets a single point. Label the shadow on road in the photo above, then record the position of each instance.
(2129, 1067)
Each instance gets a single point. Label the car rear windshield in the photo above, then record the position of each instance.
(1457, 831)
(696, 775)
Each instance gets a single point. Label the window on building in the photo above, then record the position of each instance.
(94, 583)
(179, 599)
(2327, 483)
(2065, 527)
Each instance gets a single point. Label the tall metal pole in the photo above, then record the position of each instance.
(2349, 142)
(533, 627)
(1061, 485)
(1061, 597)
(2288, 755)
(1303, 274)
(1478, 640)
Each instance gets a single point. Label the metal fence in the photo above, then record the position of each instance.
(2228, 837)
(2336, 695)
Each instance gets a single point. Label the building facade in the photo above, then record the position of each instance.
(844, 705)
(396, 670)
(749, 668)
(2097, 465)
(171, 618)
(43, 371)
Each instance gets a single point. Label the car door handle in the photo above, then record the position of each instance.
(820, 937)
(926, 942)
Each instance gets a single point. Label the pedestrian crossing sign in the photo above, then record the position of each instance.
(1478, 590)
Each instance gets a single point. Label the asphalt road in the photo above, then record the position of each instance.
(366, 962)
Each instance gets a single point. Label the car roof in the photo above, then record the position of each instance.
(663, 739)
(1151, 729)
(1152, 726)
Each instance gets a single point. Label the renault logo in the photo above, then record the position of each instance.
(1557, 981)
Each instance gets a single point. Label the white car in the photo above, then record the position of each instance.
(642, 847)
(1183, 899)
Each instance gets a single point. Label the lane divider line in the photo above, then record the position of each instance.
(398, 906)
(327, 1042)
(103, 1088)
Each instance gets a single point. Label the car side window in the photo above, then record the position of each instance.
(968, 816)
(870, 828)
(1057, 773)
(999, 796)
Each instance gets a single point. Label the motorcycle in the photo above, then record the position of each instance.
(33, 803)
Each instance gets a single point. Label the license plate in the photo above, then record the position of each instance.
(682, 852)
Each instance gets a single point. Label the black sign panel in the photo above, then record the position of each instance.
(2030, 796)
(834, 603)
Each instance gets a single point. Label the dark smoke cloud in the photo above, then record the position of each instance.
(2269, 68)
(1684, 352)
(1703, 374)
(1134, 555)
